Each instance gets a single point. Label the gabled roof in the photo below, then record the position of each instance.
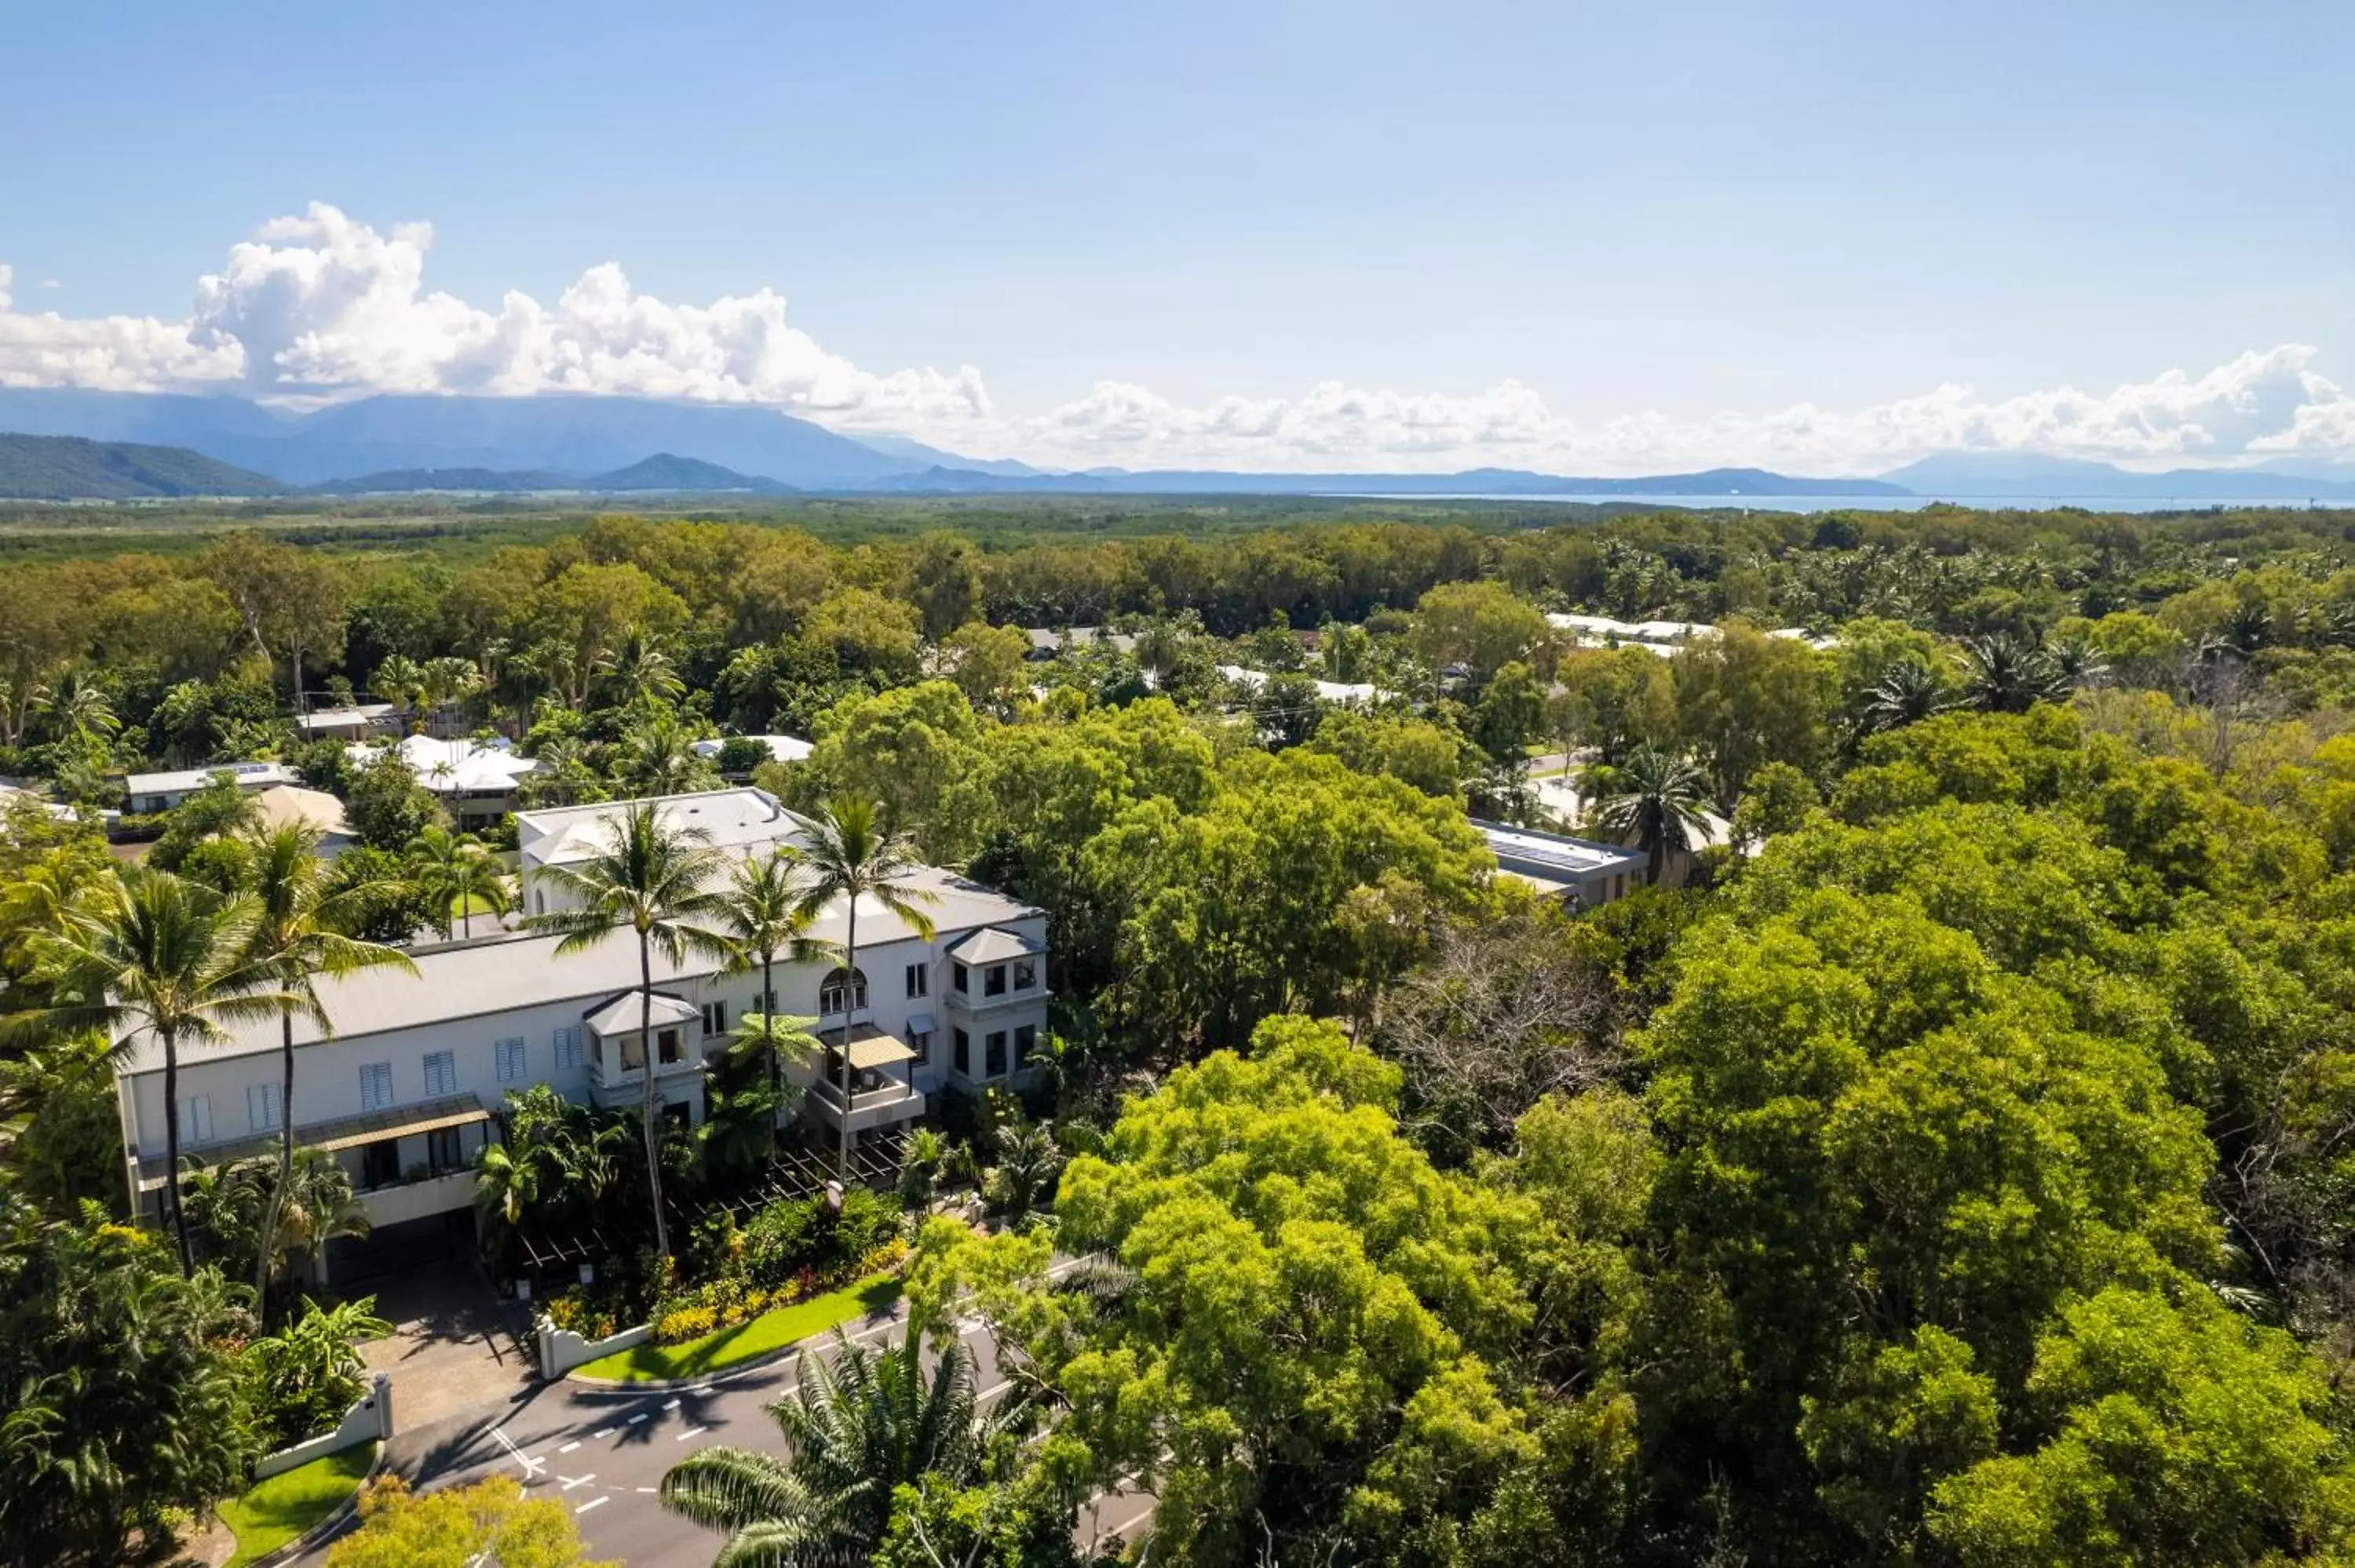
(992, 945)
(249, 776)
(626, 1013)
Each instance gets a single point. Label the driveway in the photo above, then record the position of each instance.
(455, 1346)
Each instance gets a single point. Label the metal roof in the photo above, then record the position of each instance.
(626, 1014)
(870, 1047)
(992, 945)
(1548, 855)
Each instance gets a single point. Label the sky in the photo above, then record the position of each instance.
(1581, 239)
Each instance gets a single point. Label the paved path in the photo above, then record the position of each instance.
(602, 1452)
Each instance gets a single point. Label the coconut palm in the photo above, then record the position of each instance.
(455, 871)
(2011, 675)
(658, 758)
(76, 707)
(861, 1424)
(654, 880)
(850, 855)
(782, 1041)
(145, 953)
(1654, 801)
(303, 926)
(1907, 693)
(763, 914)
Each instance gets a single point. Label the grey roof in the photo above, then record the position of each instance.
(520, 968)
(742, 818)
(250, 775)
(1553, 855)
(626, 1013)
(992, 945)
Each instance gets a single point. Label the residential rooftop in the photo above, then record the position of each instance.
(1528, 850)
(739, 818)
(249, 775)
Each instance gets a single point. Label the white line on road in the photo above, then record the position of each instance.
(569, 1447)
(690, 1432)
(603, 1432)
(531, 1466)
(649, 1488)
(593, 1502)
(670, 1404)
(633, 1420)
(577, 1481)
(701, 1388)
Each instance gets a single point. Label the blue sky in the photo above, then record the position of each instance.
(1657, 229)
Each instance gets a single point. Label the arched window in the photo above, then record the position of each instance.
(829, 992)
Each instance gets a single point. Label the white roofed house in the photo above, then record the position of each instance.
(1560, 867)
(409, 1085)
(147, 793)
(476, 781)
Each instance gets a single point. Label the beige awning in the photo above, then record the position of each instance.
(342, 1132)
(869, 1046)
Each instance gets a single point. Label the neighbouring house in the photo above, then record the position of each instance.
(780, 748)
(358, 722)
(1045, 642)
(1327, 691)
(1564, 867)
(477, 781)
(1663, 637)
(1564, 800)
(284, 804)
(148, 793)
(409, 1084)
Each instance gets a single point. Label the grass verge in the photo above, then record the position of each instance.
(768, 1332)
(282, 1508)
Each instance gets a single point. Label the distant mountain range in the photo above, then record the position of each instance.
(71, 468)
(521, 445)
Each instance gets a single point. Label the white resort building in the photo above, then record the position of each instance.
(407, 1088)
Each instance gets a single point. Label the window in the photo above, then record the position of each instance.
(994, 984)
(376, 1085)
(668, 1044)
(1026, 973)
(538, 903)
(196, 1119)
(1026, 1040)
(261, 1106)
(380, 1163)
(963, 1044)
(441, 1073)
(568, 1047)
(963, 979)
(443, 1150)
(994, 1053)
(510, 1057)
(714, 1018)
(830, 994)
(919, 982)
(633, 1052)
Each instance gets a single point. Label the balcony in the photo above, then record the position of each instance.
(892, 1102)
(880, 1093)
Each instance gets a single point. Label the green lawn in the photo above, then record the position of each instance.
(282, 1508)
(768, 1332)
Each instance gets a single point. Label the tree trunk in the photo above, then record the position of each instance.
(267, 1244)
(776, 1065)
(172, 1214)
(849, 1006)
(646, 1088)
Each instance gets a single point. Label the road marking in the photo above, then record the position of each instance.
(649, 1488)
(690, 1432)
(603, 1432)
(701, 1388)
(593, 1502)
(670, 1404)
(577, 1481)
(633, 1420)
(531, 1466)
(569, 1447)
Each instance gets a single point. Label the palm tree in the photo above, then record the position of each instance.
(2012, 674)
(76, 707)
(1907, 693)
(147, 952)
(658, 758)
(851, 856)
(651, 878)
(784, 1041)
(1654, 801)
(764, 915)
(301, 930)
(860, 1426)
(455, 871)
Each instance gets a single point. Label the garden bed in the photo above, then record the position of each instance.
(282, 1508)
(764, 1335)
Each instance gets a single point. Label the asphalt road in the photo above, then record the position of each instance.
(602, 1452)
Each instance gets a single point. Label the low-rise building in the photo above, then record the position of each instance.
(408, 1084)
(148, 793)
(1564, 867)
(477, 781)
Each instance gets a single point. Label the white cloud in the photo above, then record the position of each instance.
(322, 306)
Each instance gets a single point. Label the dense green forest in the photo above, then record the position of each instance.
(1949, 1163)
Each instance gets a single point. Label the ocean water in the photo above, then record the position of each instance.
(1874, 502)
